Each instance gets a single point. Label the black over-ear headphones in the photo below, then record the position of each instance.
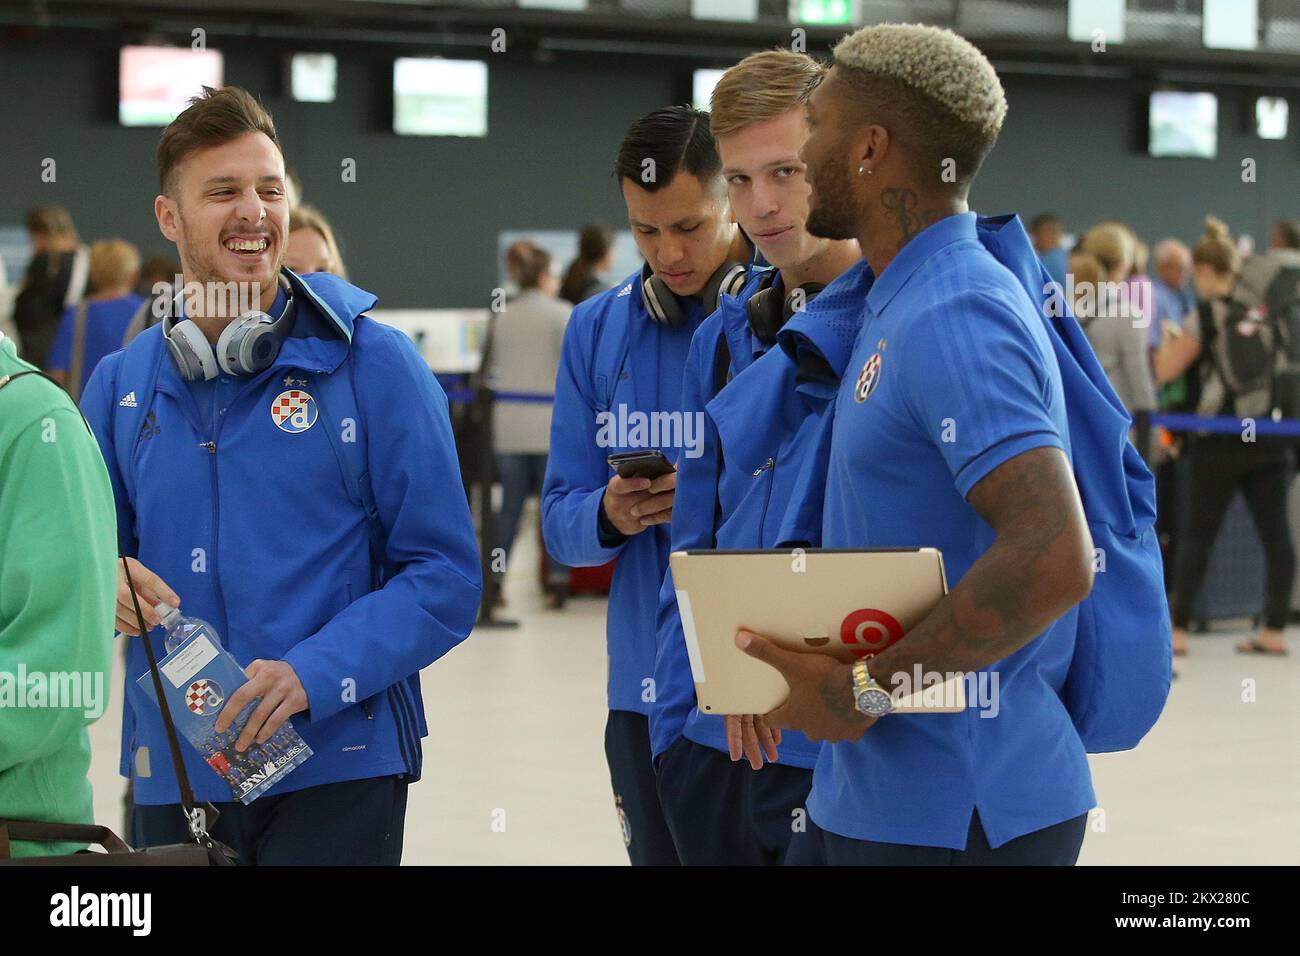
(664, 305)
(770, 307)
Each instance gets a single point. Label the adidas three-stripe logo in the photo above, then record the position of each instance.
(129, 401)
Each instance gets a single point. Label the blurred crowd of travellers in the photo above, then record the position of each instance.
(1142, 309)
(1178, 330)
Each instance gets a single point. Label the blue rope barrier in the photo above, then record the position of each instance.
(1224, 424)
(466, 397)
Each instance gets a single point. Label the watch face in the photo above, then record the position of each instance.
(875, 703)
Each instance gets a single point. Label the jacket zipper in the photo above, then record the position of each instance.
(211, 446)
(770, 467)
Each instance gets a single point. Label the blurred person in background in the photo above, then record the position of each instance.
(312, 247)
(157, 276)
(1088, 274)
(292, 188)
(156, 269)
(586, 274)
(1141, 290)
(98, 324)
(55, 280)
(524, 357)
(1118, 335)
(1222, 464)
(58, 589)
(1173, 298)
(1047, 230)
(1285, 235)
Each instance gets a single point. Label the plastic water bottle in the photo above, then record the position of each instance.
(180, 628)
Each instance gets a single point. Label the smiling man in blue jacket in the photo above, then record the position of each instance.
(619, 388)
(737, 496)
(283, 467)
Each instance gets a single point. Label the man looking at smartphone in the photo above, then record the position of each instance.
(623, 356)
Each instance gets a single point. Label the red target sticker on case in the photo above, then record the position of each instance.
(868, 631)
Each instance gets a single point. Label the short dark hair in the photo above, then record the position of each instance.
(1045, 219)
(925, 127)
(1289, 231)
(676, 138)
(212, 118)
(527, 262)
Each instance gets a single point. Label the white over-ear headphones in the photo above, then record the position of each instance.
(246, 346)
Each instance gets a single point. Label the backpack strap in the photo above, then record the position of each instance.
(336, 394)
(78, 277)
(132, 397)
(611, 355)
(78, 352)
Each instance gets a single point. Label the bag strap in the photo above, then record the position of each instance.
(139, 321)
(34, 831)
(6, 379)
(78, 277)
(78, 351)
(198, 818)
(338, 391)
(137, 377)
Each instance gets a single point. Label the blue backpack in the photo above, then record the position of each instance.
(1120, 675)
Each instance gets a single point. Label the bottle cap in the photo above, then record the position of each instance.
(164, 610)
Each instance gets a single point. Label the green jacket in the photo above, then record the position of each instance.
(58, 587)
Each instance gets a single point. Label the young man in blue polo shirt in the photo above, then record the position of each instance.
(619, 389)
(952, 435)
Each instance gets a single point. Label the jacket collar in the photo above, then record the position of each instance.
(326, 310)
(743, 345)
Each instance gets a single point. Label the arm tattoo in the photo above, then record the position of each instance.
(836, 692)
(1012, 593)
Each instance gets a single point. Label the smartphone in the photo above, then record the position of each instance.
(641, 464)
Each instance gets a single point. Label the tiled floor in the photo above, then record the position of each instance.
(515, 769)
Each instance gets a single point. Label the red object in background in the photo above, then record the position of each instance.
(591, 580)
(581, 580)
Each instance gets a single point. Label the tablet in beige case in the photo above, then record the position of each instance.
(849, 604)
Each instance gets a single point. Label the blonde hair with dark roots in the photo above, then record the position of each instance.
(935, 92)
(761, 87)
(213, 117)
(934, 62)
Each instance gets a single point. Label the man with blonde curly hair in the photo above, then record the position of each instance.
(953, 436)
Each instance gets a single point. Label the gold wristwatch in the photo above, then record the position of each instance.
(869, 697)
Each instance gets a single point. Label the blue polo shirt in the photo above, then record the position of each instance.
(106, 323)
(952, 375)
